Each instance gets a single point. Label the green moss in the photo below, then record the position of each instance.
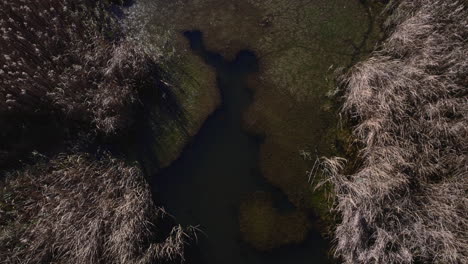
(194, 85)
(264, 228)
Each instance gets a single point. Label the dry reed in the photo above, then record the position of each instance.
(407, 202)
(80, 209)
(70, 58)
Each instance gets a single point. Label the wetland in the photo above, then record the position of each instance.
(263, 110)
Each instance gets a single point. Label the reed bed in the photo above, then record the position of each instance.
(81, 209)
(407, 202)
(70, 58)
(71, 64)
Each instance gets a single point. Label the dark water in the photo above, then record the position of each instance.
(205, 186)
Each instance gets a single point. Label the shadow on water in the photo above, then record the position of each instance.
(218, 169)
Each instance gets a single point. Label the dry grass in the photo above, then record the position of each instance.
(67, 65)
(69, 58)
(78, 209)
(407, 203)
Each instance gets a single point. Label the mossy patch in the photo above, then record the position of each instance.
(194, 85)
(265, 228)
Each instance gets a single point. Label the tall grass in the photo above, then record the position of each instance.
(67, 64)
(82, 209)
(407, 202)
(69, 58)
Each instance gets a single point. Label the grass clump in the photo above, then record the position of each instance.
(407, 202)
(69, 58)
(81, 209)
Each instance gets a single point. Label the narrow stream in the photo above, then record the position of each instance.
(205, 186)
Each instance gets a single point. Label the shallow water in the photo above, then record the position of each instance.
(219, 169)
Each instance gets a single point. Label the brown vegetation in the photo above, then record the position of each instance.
(67, 71)
(407, 202)
(80, 209)
(68, 57)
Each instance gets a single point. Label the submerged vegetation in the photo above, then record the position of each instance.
(265, 228)
(407, 202)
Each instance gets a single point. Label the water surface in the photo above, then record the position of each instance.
(219, 169)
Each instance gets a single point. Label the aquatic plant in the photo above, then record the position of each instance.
(69, 58)
(407, 202)
(81, 209)
(266, 228)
